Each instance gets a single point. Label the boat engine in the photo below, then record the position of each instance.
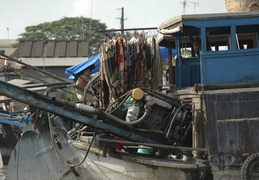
(154, 115)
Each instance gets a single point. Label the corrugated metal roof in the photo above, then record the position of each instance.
(53, 48)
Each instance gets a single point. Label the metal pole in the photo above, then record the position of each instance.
(171, 75)
(8, 42)
(122, 20)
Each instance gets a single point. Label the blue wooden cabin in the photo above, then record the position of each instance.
(213, 48)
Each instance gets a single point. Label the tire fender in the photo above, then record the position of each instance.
(248, 165)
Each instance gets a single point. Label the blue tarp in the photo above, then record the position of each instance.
(77, 69)
(164, 52)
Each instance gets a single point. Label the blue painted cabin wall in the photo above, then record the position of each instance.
(218, 67)
(190, 72)
(221, 67)
(226, 67)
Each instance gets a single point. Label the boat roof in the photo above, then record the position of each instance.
(175, 24)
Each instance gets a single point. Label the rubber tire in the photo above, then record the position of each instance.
(248, 165)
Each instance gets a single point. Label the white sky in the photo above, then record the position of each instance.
(15, 15)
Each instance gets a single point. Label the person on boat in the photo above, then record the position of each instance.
(85, 77)
(195, 45)
(83, 80)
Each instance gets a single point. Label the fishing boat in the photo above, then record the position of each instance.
(205, 126)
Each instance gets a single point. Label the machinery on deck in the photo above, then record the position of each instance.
(140, 115)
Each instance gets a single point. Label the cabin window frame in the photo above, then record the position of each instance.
(251, 41)
(233, 43)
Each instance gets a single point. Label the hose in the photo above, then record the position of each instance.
(56, 151)
(112, 117)
(125, 96)
(172, 121)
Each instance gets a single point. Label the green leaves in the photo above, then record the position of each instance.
(68, 28)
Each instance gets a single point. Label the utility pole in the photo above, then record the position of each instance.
(5, 62)
(8, 40)
(122, 19)
(89, 30)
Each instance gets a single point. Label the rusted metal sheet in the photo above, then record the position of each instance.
(37, 49)
(25, 48)
(61, 49)
(83, 49)
(50, 47)
(232, 124)
(72, 49)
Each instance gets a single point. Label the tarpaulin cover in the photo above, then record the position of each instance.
(75, 70)
(164, 53)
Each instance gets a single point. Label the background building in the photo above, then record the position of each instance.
(5, 46)
(53, 56)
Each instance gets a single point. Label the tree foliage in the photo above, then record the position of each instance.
(68, 28)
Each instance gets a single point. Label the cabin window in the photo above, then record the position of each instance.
(218, 38)
(186, 50)
(247, 36)
(190, 46)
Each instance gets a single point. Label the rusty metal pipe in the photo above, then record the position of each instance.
(130, 143)
(78, 106)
